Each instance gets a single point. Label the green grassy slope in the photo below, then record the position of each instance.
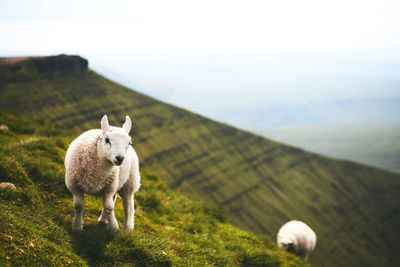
(352, 208)
(35, 220)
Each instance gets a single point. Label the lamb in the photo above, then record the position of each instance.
(297, 237)
(102, 162)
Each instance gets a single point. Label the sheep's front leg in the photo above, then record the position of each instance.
(108, 210)
(79, 204)
(103, 217)
(129, 210)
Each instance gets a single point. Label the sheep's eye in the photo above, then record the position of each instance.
(108, 141)
(130, 143)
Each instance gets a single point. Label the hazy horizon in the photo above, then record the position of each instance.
(234, 61)
(241, 90)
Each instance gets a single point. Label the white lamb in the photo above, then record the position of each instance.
(103, 163)
(297, 237)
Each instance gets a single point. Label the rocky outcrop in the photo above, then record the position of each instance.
(47, 65)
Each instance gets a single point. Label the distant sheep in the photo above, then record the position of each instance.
(103, 163)
(4, 127)
(8, 185)
(297, 237)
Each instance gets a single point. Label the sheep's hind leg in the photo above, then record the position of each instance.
(108, 210)
(79, 204)
(129, 211)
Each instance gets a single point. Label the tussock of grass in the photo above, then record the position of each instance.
(35, 219)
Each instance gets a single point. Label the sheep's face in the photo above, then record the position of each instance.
(115, 145)
(285, 243)
(287, 246)
(115, 141)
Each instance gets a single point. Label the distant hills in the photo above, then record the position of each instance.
(370, 111)
(253, 90)
(353, 208)
(376, 145)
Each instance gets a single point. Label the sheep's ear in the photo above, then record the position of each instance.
(127, 124)
(104, 124)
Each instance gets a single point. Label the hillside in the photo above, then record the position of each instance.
(262, 184)
(35, 219)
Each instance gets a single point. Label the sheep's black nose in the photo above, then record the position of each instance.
(119, 159)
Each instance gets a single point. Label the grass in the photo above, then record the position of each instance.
(260, 183)
(171, 230)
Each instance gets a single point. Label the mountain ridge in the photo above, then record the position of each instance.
(262, 183)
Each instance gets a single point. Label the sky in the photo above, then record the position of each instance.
(216, 56)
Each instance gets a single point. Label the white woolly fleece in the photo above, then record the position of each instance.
(297, 237)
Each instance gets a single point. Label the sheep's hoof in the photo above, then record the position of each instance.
(113, 227)
(77, 228)
(103, 219)
(128, 228)
(100, 221)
